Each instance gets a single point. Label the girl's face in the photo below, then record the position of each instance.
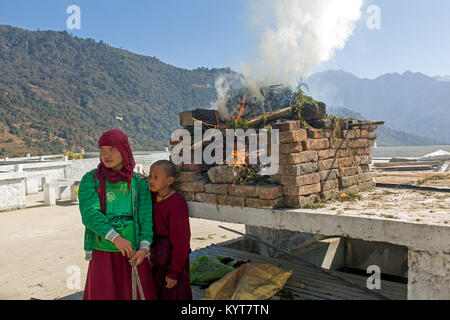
(158, 180)
(111, 157)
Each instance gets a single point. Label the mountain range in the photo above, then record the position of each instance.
(60, 92)
(410, 102)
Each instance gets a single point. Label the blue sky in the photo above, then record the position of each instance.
(414, 34)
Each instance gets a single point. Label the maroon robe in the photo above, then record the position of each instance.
(169, 253)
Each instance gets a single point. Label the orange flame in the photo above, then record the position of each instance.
(236, 157)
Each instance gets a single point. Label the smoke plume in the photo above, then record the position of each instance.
(295, 35)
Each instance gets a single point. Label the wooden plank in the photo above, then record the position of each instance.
(306, 282)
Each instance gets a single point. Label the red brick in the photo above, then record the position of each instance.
(315, 134)
(329, 184)
(358, 143)
(327, 164)
(366, 176)
(301, 190)
(345, 162)
(298, 169)
(345, 182)
(227, 200)
(336, 143)
(343, 153)
(299, 157)
(329, 194)
(264, 203)
(348, 171)
(292, 136)
(300, 180)
(290, 147)
(243, 191)
(298, 201)
(270, 192)
(326, 154)
(328, 174)
(315, 144)
(216, 188)
(287, 126)
(205, 197)
(354, 133)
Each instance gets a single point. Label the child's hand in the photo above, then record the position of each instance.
(139, 256)
(170, 283)
(124, 246)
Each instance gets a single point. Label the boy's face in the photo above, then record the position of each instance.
(111, 157)
(158, 180)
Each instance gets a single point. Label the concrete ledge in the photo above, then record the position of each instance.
(420, 236)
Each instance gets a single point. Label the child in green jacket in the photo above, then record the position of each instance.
(116, 209)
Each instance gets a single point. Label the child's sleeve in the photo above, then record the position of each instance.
(145, 210)
(179, 235)
(90, 209)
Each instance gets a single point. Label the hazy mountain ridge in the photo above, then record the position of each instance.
(410, 102)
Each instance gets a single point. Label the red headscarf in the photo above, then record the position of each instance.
(115, 138)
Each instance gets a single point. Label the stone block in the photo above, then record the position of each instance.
(329, 184)
(316, 144)
(225, 174)
(216, 188)
(366, 176)
(298, 201)
(205, 197)
(331, 194)
(336, 143)
(358, 143)
(301, 190)
(292, 136)
(287, 125)
(297, 158)
(302, 180)
(345, 162)
(290, 147)
(351, 134)
(243, 191)
(348, 171)
(269, 192)
(345, 182)
(227, 200)
(298, 169)
(327, 164)
(328, 174)
(264, 203)
(326, 154)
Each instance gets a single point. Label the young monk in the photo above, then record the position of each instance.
(116, 209)
(169, 254)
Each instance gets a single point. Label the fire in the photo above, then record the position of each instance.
(236, 155)
(241, 110)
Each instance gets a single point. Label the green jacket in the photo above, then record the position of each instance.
(97, 224)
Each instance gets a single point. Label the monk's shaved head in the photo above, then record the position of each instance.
(167, 166)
